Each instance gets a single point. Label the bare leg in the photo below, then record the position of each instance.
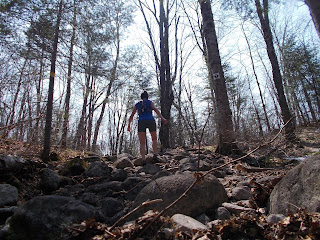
(154, 142)
(142, 139)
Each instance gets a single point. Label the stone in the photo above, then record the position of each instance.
(5, 213)
(299, 188)
(233, 208)
(9, 162)
(44, 217)
(241, 193)
(8, 195)
(118, 175)
(222, 213)
(275, 218)
(110, 206)
(133, 186)
(203, 218)
(203, 196)
(150, 169)
(49, 180)
(125, 155)
(187, 224)
(123, 163)
(98, 169)
(106, 189)
(74, 167)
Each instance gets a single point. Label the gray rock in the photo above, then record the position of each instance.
(49, 180)
(5, 213)
(125, 155)
(106, 189)
(123, 163)
(203, 218)
(275, 218)
(300, 188)
(222, 213)
(8, 195)
(118, 175)
(133, 186)
(110, 207)
(150, 169)
(233, 208)
(71, 190)
(187, 224)
(8, 162)
(193, 166)
(162, 173)
(219, 174)
(203, 196)
(98, 169)
(44, 217)
(241, 193)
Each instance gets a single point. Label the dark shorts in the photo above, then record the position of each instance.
(144, 124)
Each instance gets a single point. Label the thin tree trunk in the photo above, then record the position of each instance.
(277, 78)
(65, 126)
(257, 81)
(38, 105)
(47, 131)
(81, 129)
(257, 112)
(307, 97)
(226, 143)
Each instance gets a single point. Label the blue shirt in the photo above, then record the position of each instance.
(144, 110)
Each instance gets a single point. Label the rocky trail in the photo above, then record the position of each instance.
(182, 194)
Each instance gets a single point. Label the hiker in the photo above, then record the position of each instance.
(146, 120)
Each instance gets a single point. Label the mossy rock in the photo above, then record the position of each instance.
(74, 167)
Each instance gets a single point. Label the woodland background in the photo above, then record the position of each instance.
(71, 70)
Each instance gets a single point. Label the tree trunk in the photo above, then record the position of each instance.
(277, 78)
(314, 6)
(80, 141)
(166, 97)
(65, 126)
(258, 84)
(38, 108)
(47, 131)
(226, 144)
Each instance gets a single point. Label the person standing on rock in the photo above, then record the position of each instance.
(146, 120)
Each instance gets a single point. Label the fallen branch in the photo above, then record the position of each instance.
(133, 211)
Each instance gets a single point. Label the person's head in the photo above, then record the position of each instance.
(144, 95)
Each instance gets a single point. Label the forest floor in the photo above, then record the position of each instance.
(276, 153)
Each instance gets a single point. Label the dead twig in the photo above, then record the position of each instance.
(133, 211)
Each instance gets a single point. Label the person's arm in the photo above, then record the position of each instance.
(131, 117)
(154, 108)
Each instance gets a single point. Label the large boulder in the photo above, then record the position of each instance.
(44, 217)
(204, 196)
(300, 188)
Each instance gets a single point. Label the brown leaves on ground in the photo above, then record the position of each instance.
(301, 225)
